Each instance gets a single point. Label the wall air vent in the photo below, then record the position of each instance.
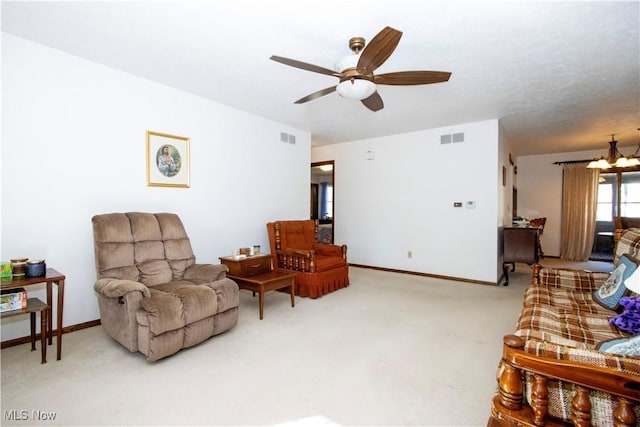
(449, 138)
(287, 137)
(458, 137)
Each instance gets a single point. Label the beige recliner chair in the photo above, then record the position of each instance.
(152, 295)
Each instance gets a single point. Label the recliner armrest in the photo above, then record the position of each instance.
(113, 288)
(205, 273)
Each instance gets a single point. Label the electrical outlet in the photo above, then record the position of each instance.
(410, 254)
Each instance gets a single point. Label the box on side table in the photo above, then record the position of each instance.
(13, 299)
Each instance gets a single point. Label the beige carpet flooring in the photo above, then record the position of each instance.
(391, 349)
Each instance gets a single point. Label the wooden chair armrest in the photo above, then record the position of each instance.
(328, 249)
(297, 260)
(297, 253)
(623, 386)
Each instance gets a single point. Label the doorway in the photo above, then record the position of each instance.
(322, 192)
(618, 195)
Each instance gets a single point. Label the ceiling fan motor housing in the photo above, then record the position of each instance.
(356, 44)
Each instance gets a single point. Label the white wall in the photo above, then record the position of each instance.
(539, 183)
(403, 201)
(73, 145)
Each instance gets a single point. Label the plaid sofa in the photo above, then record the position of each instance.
(568, 379)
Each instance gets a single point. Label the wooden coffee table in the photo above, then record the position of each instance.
(265, 282)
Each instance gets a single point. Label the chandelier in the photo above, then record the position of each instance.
(615, 158)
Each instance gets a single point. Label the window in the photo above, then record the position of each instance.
(630, 194)
(329, 207)
(605, 197)
(618, 195)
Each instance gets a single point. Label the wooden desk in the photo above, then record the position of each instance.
(520, 245)
(33, 306)
(50, 278)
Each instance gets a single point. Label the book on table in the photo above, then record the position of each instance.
(13, 299)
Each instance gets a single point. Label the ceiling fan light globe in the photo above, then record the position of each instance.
(357, 89)
(348, 62)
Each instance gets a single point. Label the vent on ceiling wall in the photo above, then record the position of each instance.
(287, 137)
(454, 137)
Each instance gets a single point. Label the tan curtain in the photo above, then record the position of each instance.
(579, 204)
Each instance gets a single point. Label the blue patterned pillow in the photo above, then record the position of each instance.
(609, 294)
(623, 346)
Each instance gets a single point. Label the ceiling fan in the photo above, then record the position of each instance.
(355, 71)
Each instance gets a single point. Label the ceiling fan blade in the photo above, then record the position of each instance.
(374, 102)
(304, 66)
(316, 95)
(378, 50)
(407, 78)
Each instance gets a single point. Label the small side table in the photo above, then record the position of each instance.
(254, 273)
(52, 277)
(34, 305)
(265, 282)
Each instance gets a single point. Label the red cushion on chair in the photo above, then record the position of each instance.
(329, 263)
(297, 235)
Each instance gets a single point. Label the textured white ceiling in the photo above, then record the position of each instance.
(560, 76)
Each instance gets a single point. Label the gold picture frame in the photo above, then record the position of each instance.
(168, 160)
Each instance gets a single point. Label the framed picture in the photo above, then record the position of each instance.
(168, 161)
